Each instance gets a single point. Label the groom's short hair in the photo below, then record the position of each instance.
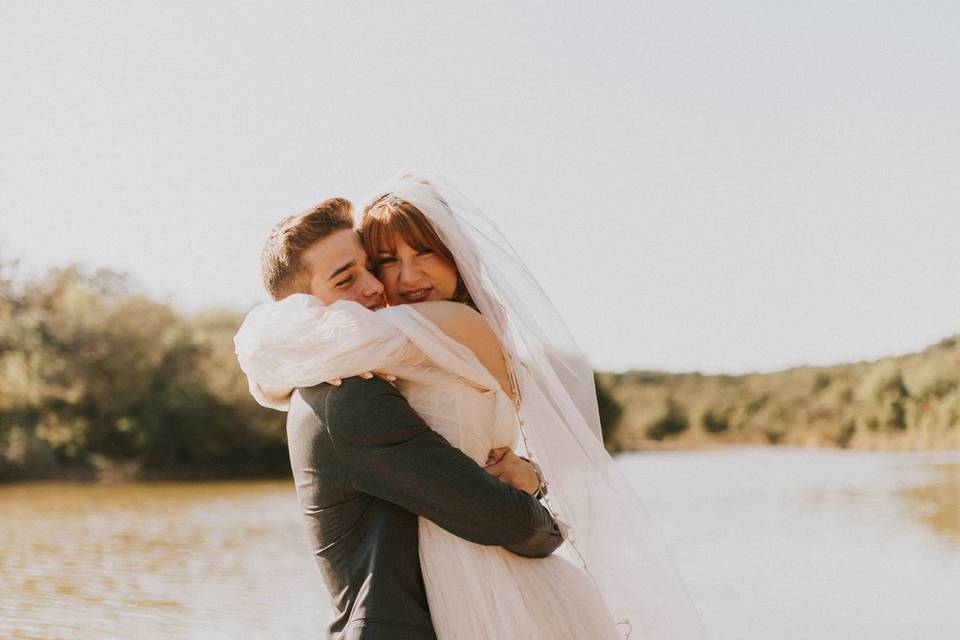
(280, 267)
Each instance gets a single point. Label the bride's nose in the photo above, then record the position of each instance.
(409, 273)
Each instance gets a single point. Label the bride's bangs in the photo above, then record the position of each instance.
(381, 226)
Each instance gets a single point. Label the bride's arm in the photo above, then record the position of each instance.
(299, 342)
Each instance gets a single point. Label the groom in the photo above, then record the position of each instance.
(366, 465)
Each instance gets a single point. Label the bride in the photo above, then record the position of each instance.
(484, 358)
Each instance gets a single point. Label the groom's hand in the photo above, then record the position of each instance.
(504, 464)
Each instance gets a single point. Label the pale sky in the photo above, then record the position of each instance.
(722, 187)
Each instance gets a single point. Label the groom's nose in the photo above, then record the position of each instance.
(372, 286)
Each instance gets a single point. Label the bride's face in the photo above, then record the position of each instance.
(414, 274)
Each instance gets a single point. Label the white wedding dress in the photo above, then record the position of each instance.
(474, 591)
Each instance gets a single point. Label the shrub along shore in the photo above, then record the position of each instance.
(909, 402)
(98, 381)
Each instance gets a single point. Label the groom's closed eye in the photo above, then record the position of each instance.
(342, 269)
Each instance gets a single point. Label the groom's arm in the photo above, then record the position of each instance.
(389, 452)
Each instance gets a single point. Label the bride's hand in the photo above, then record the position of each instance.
(506, 465)
(367, 375)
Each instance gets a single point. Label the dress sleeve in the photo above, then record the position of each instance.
(300, 342)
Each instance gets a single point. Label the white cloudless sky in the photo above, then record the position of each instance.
(703, 186)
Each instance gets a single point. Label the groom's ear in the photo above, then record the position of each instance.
(281, 267)
(289, 292)
(299, 283)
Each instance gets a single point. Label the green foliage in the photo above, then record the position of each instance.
(821, 382)
(646, 377)
(610, 412)
(940, 388)
(672, 422)
(846, 434)
(896, 415)
(907, 402)
(96, 377)
(714, 422)
(756, 404)
(892, 387)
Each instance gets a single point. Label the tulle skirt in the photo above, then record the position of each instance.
(477, 592)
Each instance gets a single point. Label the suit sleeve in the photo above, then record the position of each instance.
(389, 452)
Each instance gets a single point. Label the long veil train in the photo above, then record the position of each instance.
(610, 532)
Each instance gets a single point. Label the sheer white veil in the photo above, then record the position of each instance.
(610, 532)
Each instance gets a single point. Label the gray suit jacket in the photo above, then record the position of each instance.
(365, 466)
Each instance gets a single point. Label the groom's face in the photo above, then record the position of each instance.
(339, 269)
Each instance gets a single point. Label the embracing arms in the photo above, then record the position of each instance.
(463, 324)
(389, 452)
(300, 342)
(469, 328)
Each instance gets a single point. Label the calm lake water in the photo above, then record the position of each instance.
(773, 543)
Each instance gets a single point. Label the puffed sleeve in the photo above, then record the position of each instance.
(300, 342)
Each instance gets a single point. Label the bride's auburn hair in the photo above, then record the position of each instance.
(388, 218)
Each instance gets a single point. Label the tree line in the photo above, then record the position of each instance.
(98, 379)
(908, 402)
